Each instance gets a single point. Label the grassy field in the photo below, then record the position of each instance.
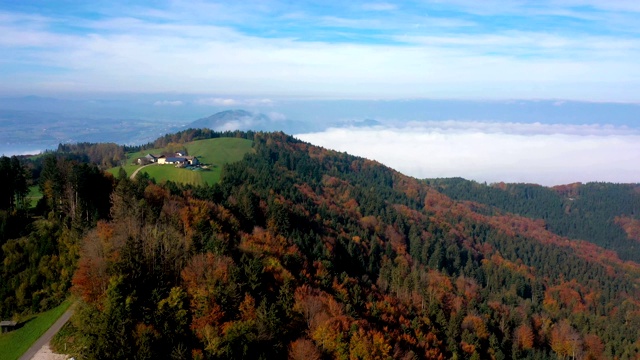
(212, 152)
(13, 344)
(129, 169)
(169, 172)
(34, 195)
(219, 151)
(216, 153)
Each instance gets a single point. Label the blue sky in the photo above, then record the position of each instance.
(331, 63)
(461, 49)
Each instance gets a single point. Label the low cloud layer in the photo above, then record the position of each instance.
(233, 102)
(168, 103)
(493, 152)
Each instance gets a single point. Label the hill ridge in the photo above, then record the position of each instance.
(303, 252)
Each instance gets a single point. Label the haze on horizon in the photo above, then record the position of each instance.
(260, 54)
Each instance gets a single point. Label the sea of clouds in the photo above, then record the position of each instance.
(547, 154)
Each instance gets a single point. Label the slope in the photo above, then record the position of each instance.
(214, 153)
(301, 252)
(593, 211)
(217, 152)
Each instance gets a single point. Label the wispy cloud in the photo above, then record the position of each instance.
(379, 6)
(168, 103)
(536, 153)
(490, 7)
(461, 49)
(211, 59)
(215, 101)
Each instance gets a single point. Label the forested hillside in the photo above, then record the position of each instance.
(40, 247)
(304, 253)
(603, 213)
(307, 253)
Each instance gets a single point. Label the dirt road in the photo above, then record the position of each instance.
(133, 176)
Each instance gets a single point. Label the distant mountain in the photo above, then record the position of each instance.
(359, 123)
(230, 120)
(25, 130)
(367, 123)
(362, 123)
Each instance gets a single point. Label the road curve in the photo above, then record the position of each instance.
(133, 176)
(48, 335)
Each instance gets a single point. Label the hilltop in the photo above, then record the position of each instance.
(304, 253)
(230, 120)
(212, 154)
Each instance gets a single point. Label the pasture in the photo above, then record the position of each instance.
(213, 153)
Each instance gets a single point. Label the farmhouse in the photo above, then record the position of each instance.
(193, 160)
(178, 160)
(148, 159)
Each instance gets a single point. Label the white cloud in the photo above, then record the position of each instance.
(536, 153)
(276, 116)
(216, 102)
(168, 103)
(379, 6)
(233, 102)
(184, 55)
(514, 128)
(487, 7)
(616, 5)
(243, 123)
(258, 102)
(284, 67)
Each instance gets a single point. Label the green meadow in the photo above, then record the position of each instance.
(164, 173)
(34, 195)
(14, 343)
(129, 169)
(213, 153)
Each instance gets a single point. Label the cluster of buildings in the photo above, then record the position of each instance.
(177, 159)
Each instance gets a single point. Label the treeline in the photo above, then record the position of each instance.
(14, 180)
(189, 135)
(40, 246)
(578, 211)
(109, 155)
(304, 253)
(13, 177)
(105, 155)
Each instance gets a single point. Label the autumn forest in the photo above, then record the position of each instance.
(304, 253)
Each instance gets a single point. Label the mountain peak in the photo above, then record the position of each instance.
(238, 119)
